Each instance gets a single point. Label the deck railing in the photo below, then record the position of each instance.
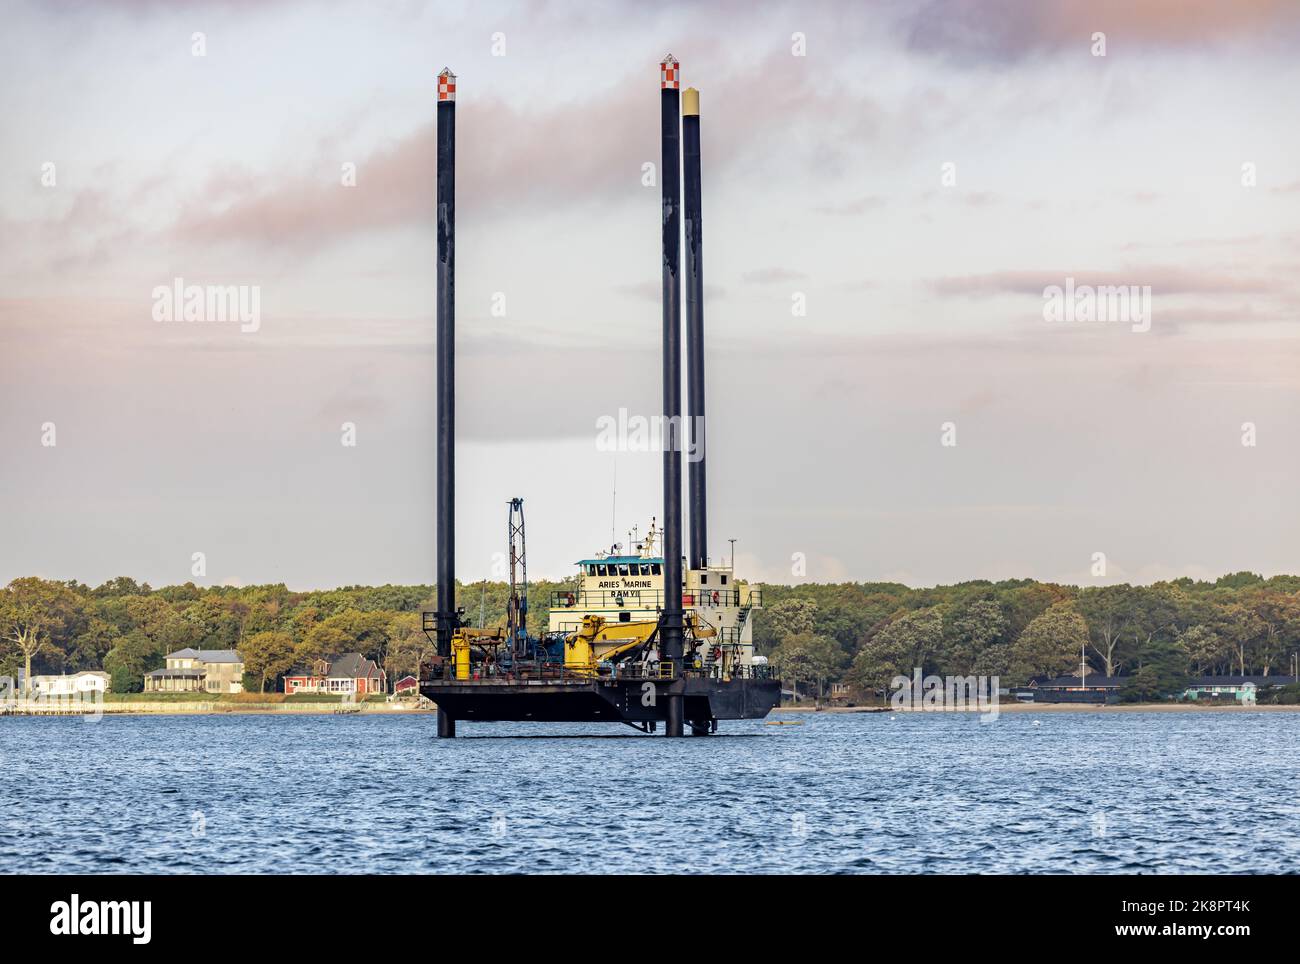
(597, 599)
(557, 673)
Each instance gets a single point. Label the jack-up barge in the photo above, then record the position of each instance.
(648, 636)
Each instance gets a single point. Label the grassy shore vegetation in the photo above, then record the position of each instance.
(860, 633)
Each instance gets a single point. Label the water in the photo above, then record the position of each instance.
(1092, 792)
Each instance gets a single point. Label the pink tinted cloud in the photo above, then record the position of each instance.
(1003, 30)
(510, 159)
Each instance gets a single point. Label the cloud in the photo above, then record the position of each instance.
(515, 160)
(998, 31)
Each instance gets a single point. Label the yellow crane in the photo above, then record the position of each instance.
(598, 640)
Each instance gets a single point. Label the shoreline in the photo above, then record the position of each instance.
(206, 708)
(384, 709)
(1018, 707)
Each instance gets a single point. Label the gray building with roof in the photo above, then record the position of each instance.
(198, 671)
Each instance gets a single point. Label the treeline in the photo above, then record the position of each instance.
(127, 628)
(1157, 636)
(860, 633)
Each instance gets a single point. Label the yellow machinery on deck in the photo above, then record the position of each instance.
(464, 639)
(599, 640)
(597, 643)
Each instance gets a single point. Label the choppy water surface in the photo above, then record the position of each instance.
(1088, 792)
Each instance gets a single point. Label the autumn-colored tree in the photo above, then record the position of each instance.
(31, 610)
(323, 642)
(408, 645)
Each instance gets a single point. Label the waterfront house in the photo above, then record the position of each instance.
(1243, 689)
(198, 671)
(349, 674)
(64, 684)
(307, 679)
(406, 685)
(1090, 688)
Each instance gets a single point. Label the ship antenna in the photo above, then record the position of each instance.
(613, 507)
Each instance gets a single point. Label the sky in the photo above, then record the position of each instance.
(891, 190)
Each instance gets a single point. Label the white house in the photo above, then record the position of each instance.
(76, 684)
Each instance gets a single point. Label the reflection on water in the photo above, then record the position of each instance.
(1081, 792)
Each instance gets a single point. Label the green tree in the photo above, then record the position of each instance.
(1241, 627)
(1163, 673)
(808, 658)
(1203, 646)
(267, 655)
(162, 623)
(1107, 611)
(130, 658)
(969, 634)
(92, 644)
(792, 617)
(1050, 645)
(912, 640)
(1280, 614)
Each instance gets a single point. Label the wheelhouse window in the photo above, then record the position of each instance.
(655, 569)
(622, 570)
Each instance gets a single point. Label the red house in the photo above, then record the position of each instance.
(407, 684)
(351, 674)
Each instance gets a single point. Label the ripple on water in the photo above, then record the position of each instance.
(1086, 792)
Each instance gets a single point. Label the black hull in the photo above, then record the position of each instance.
(632, 701)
